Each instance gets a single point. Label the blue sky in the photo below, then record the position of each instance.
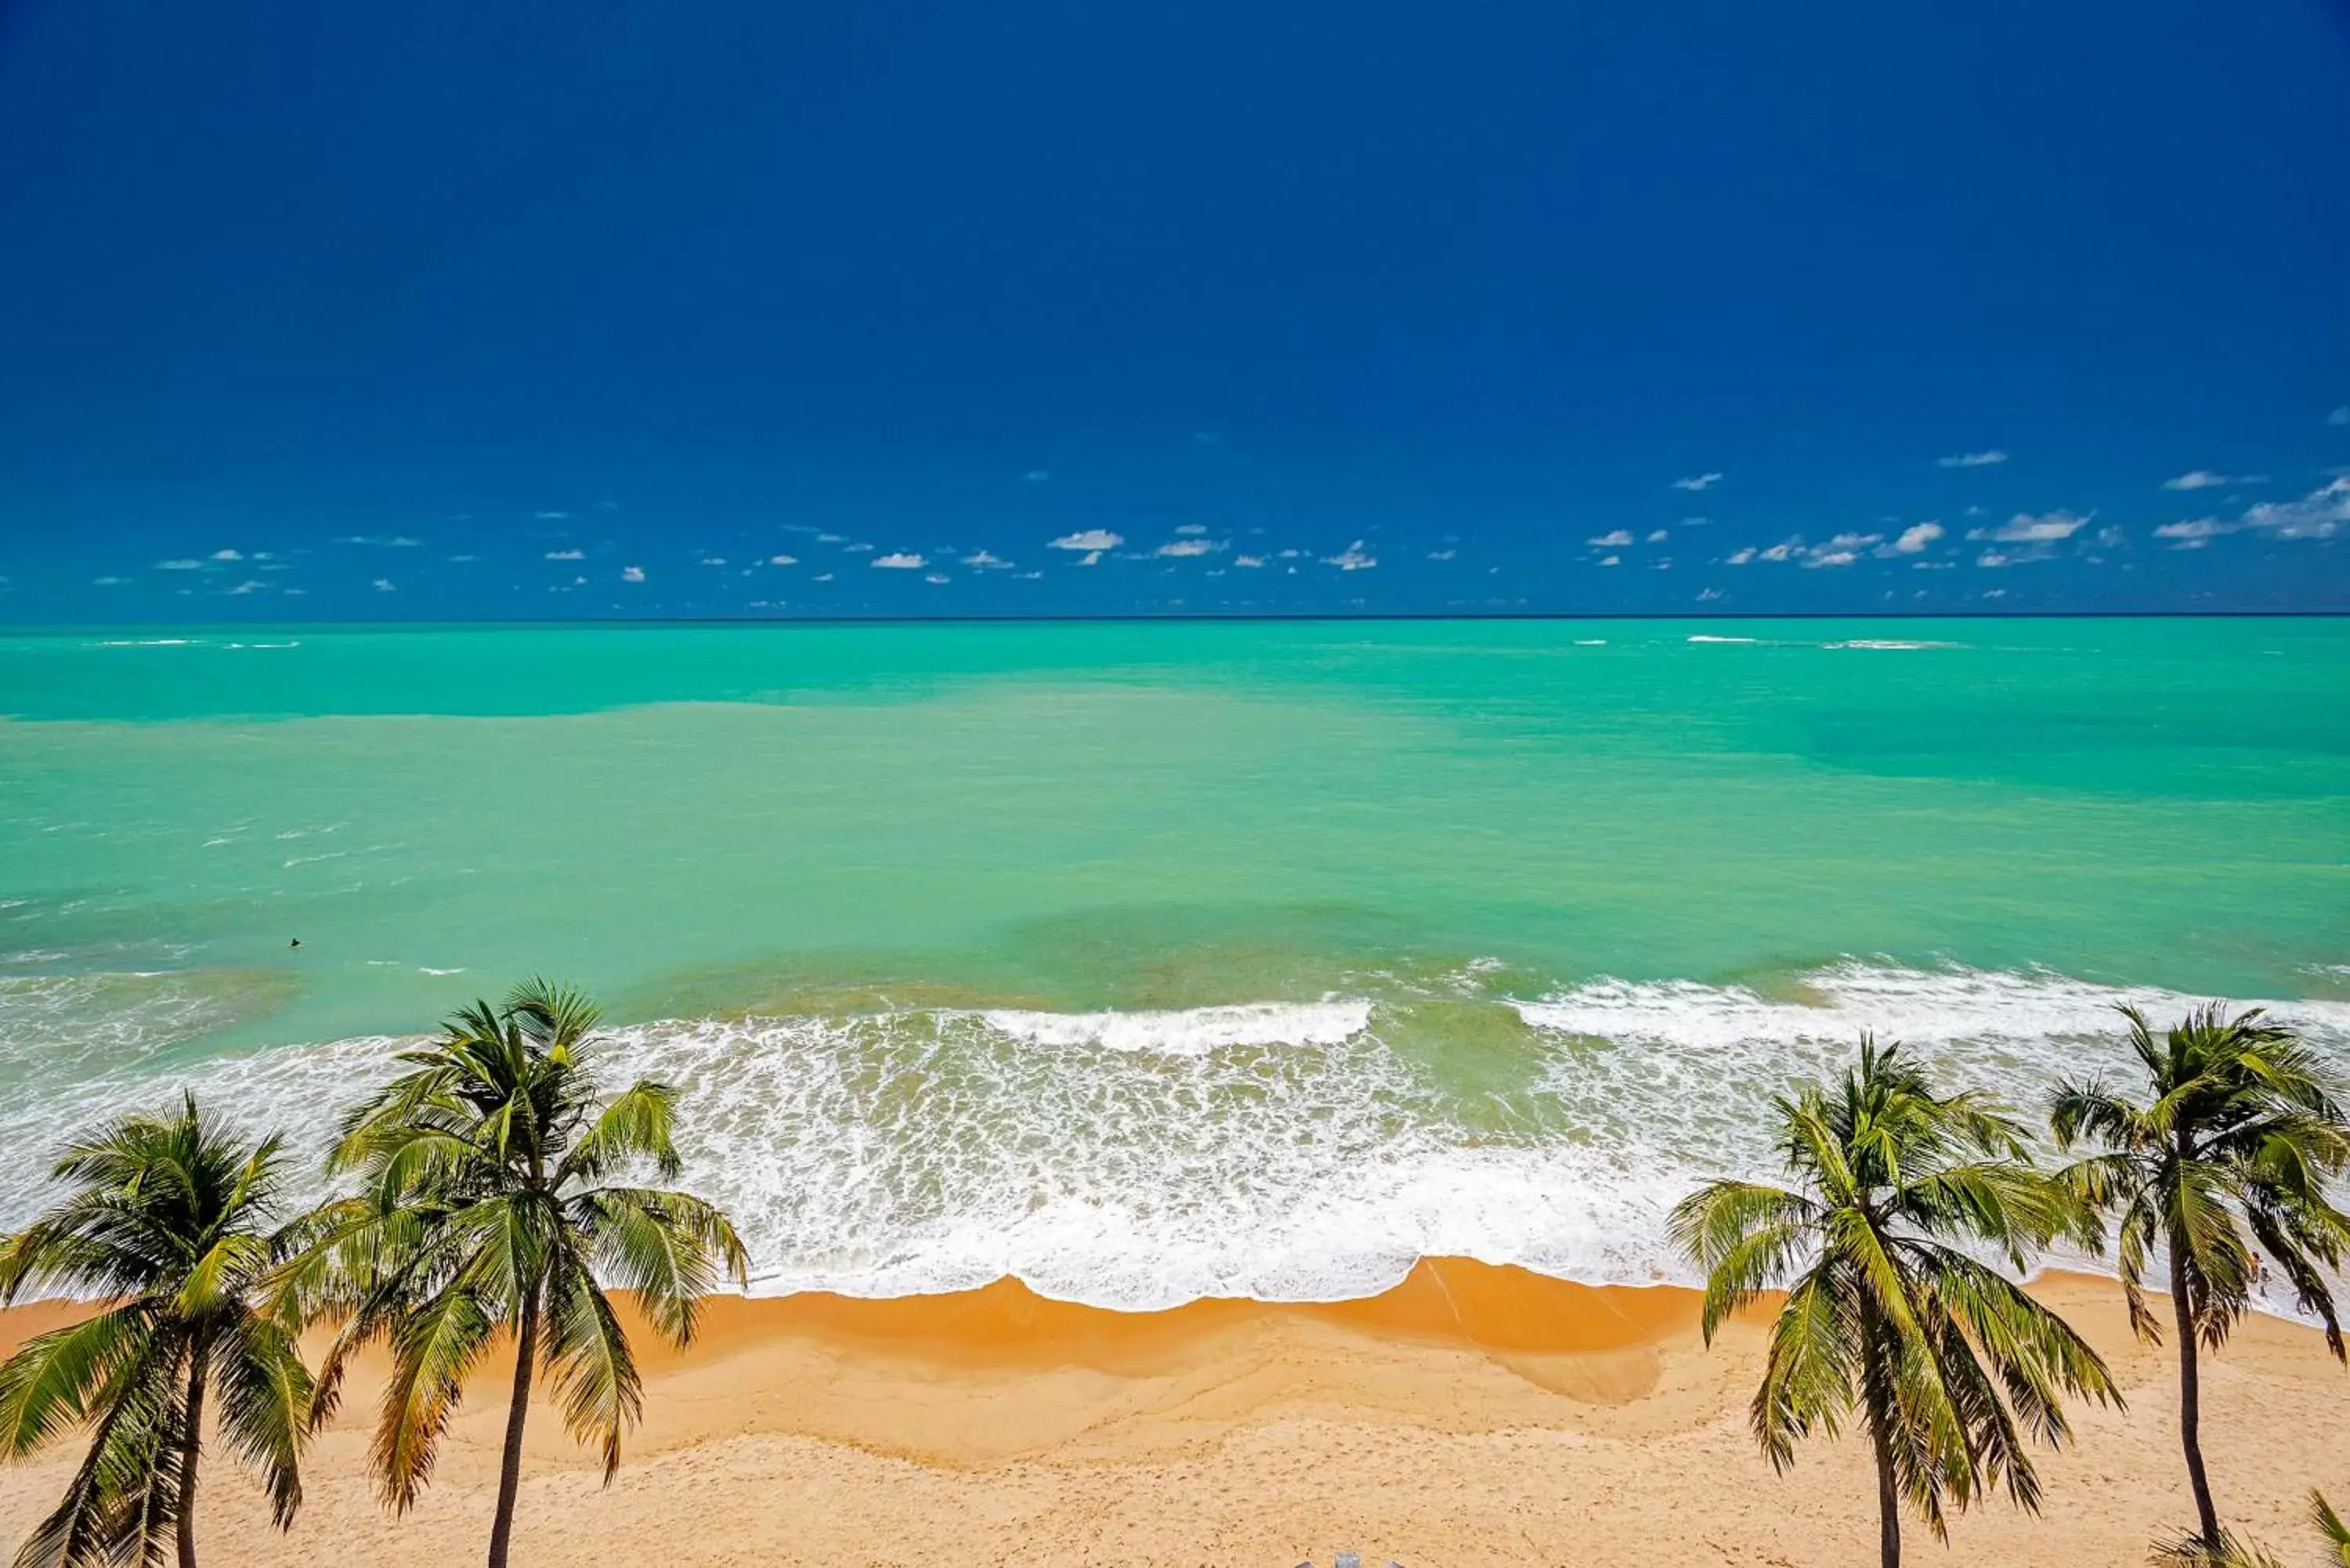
(622, 307)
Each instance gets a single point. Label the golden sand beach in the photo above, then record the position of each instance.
(1473, 1415)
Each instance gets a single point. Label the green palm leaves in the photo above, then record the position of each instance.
(2224, 1163)
(1951, 1368)
(491, 1201)
(170, 1219)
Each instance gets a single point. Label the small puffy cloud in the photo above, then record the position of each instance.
(632, 574)
(1741, 557)
(832, 538)
(2024, 528)
(1181, 547)
(2204, 479)
(252, 586)
(713, 560)
(566, 554)
(1698, 481)
(2196, 528)
(1658, 535)
(1830, 558)
(1250, 561)
(462, 559)
(1972, 459)
(937, 578)
(1914, 539)
(1089, 541)
(393, 542)
(1443, 555)
(2320, 514)
(1611, 560)
(179, 565)
(1784, 550)
(900, 561)
(228, 555)
(1609, 541)
(859, 548)
(824, 576)
(1709, 596)
(1192, 528)
(384, 585)
(107, 582)
(550, 516)
(783, 560)
(985, 560)
(1994, 558)
(1853, 541)
(1351, 559)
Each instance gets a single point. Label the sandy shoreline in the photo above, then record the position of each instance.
(1473, 1415)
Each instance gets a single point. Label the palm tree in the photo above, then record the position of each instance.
(168, 1219)
(2330, 1525)
(1950, 1364)
(2231, 1152)
(489, 1203)
(2195, 1551)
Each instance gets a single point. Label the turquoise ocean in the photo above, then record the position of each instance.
(1152, 960)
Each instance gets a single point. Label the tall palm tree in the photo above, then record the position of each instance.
(2231, 1151)
(490, 1202)
(2330, 1525)
(168, 1219)
(1949, 1364)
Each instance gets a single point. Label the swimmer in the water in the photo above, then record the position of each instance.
(295, 943)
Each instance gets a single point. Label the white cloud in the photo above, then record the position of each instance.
(985, 560)
(1090, 558)
(1659, 535)
(1853, 541)
(831, 538)
(937, 578)
(1741, 557)
(632, 574)
(713, 560)
(783, 560)
(228, 555)
(1443, 555)
(1036, 475)
(1180, 548)
(2340, 416)
(2198, 528)
(1830, 558)
(252, 586)
(1698, 481)
(2024, 528)
(181, 566)
(859, 548)
(566, 554)
(900, 561)
(1351, 559)
(1914, 538)
(1611, 560)
(1993, 559)
(1249, 561)
(384, 585)
(1972, 459)
(1091, 541)
(1781, 551)
(1695, 522)
(824, 576)
(1610, 541)
(550, 516)
(2204, 479)
(105, 582)
(2320, 514)
(1192, 528)
(1709, 596)
(396, 541)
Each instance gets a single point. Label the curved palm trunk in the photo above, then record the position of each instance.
(2190, 1400)
(510, 1466)
(189, 1453)
(1888, 1509)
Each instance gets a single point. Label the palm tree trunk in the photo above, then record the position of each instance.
(1888, 1509)
(510, 1466)
(189, 1451)
(2190, 1399)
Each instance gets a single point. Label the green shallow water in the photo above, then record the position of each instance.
(1440, 819)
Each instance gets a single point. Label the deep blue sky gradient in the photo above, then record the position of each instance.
(1457, 290)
